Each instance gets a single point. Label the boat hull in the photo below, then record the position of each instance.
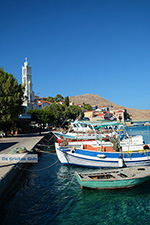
(87, 158)
(115, 184)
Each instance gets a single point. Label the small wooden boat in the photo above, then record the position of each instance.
(114, 179)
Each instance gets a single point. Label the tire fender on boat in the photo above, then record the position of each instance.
(73, 150)
(101, 156)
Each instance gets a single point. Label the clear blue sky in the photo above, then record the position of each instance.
(80, 46)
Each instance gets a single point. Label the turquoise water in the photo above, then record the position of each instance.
(49, 194)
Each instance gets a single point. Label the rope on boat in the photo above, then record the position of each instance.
(49, 152)
(44, 139)
(66, 176)
(145, 154)
(45, 145)
(140, 151)
(129, 154)
(39, 150)
(37, 169)
(130, 139)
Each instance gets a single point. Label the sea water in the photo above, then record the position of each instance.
(48, 193)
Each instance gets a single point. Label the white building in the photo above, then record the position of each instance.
(27, 82)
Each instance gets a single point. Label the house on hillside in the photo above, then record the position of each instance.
(119, 114)
(36, 97)
(100, 116)
(104, 108)
(42, 104)
(43, 98)
(80, 105)
(71, 103)
(108, 116)
(89, 114)
(61, 102)
(94, 107)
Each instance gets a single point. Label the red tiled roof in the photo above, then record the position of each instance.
(43, 98)
(36, 96)
(120, 111)
(42, 102)
(47, 102)
(100, 114)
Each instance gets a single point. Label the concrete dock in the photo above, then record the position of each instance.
(9, 173)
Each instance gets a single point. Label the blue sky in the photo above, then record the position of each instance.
(80, 46)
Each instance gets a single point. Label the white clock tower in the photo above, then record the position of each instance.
(27, 82)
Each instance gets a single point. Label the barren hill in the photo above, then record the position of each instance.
(92, 99)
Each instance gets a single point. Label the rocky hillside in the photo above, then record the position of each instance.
(92, 99)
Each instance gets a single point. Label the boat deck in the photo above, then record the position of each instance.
(119, 174)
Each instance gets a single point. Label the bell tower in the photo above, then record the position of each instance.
(27, 82)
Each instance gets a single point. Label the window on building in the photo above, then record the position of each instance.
(29, 71)
(24, 71)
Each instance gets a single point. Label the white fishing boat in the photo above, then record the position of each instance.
(133, 143)
(74, 135)
(85, 130)
(102, 156)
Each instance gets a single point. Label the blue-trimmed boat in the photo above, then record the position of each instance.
(114, 179)
(102, 157)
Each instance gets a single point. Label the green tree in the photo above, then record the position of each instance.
(50, 99)
(55, 113)
(58, 112)
(87, 107)
(66, 101)
(11, 97)
(47, 115)
(36, 115)
(59, 98)
(127, 115)
(73, 111)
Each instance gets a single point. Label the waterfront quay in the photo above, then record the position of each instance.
(10, 172)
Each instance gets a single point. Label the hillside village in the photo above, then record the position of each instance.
(102, 108)
(135, 114)
(98, 112)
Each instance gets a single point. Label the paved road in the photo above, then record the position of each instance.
(27, 140)
(7, 144)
